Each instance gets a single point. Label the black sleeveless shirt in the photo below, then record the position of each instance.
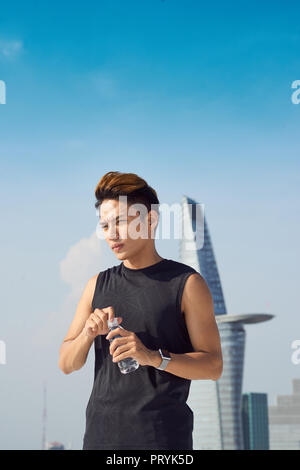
(146, 408)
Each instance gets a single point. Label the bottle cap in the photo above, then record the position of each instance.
(113, 322)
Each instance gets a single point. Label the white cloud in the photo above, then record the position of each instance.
(83, 260)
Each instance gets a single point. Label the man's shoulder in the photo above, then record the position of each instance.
(181, 267)
(102, 274)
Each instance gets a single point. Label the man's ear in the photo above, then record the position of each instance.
(153, 218)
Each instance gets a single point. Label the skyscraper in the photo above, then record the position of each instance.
(216, 404)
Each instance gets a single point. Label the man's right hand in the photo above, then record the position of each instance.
(96, 324)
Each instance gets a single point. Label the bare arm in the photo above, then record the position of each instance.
(76, 344)
(206, 362)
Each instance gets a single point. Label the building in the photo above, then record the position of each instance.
(55, 446)
(255, 421)
(217, 405)
(284, 421)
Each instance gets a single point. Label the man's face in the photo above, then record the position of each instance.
(124, 224)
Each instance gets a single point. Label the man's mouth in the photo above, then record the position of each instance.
(117, 246)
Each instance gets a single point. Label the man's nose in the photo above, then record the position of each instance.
(112, 232)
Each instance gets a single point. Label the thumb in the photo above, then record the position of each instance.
(120, 319)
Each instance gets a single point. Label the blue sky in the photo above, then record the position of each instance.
(194, 97)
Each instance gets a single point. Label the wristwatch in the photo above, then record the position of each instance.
(165, 355)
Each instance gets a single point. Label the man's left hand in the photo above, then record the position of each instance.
(129, 345)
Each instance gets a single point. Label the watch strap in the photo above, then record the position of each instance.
(165, 356)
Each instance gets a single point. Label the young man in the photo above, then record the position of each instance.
(168, 326)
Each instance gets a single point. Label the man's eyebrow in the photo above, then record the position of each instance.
(102, 222)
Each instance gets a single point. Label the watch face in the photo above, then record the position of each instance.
(166, 354)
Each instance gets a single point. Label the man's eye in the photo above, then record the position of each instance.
(104, 227)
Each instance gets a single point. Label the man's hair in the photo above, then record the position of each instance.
(114, 184)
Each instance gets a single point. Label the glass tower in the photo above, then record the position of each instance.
(194, 225)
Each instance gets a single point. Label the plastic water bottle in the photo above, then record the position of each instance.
(128, 364)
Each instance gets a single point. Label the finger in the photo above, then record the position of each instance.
(96, 320)
(117, 331)
(105, 314)
(91, 329)
(100, 315)
(120, 349)
(116, 342)
(110, 315)
(123, 353)
(93, 325)
(109, 312)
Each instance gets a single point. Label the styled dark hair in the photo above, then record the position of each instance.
(114, 184)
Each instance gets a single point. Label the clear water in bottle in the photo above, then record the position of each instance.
(128, 364)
